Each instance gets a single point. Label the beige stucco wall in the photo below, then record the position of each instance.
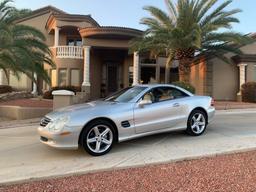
(225, 85)
(19, 113)
(225, 80)
(4, 78)
(251, 71)
(39, 23)
(23, 83)
(111, 43)
(79, 24)
(198, 77)
(249, 49)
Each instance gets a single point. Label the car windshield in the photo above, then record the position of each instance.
(125, 95)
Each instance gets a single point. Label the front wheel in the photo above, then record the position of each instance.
(98, 138)
(197, 123)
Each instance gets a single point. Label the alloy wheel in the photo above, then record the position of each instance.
(198, 123)
(99, 139)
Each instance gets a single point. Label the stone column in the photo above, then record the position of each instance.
(1, 77)
(242, 79)
(86, 86)
(56, 36)
(34, 91)
(136, 63)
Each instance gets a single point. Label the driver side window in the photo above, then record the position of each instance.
(149, 97)
(165, 93)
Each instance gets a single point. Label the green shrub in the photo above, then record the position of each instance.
(185, 86)
(48, 94)
(249, 92)
(5, 89)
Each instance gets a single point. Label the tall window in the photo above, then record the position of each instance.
(54, 77)
(63, 77)
(75, 77)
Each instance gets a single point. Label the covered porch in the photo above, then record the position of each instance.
(108, 66)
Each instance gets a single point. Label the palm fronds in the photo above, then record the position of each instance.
(22, 48)
(192, 27)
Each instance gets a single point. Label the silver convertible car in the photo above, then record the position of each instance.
(131, 113)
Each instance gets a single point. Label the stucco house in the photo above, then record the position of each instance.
(96, 58)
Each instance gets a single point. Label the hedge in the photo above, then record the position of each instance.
(185, 86)
(5, 89)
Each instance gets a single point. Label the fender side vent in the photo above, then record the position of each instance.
(125, 124)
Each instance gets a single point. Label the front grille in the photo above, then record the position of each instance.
(44, 122)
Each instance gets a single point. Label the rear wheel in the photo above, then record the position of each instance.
(98, 138)
(197, 123)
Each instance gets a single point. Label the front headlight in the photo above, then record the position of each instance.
(58, 124)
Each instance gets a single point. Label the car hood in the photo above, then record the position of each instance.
(81, 107)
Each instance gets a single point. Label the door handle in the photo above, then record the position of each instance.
(176, 105)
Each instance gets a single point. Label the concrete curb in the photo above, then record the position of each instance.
(196, 157)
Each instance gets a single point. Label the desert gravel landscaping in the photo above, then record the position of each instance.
(226, 173)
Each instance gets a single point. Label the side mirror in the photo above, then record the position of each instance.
(144, 102)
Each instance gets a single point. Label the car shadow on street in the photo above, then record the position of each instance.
(138, 143)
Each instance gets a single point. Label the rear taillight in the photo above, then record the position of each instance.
(212, 103)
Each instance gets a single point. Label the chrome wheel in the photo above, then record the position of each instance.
(198, 123)
(99, 139)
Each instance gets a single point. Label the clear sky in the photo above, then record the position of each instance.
(129, 12)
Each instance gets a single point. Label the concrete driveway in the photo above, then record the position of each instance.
(24, 157)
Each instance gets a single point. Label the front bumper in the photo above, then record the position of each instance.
(61, 140)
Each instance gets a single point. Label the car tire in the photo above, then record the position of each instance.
(93, 139)
(197, 123)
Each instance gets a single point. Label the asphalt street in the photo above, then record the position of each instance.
(24, 157)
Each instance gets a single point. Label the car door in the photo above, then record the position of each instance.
(165, 111)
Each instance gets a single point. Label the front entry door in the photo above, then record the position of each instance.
(112, 77)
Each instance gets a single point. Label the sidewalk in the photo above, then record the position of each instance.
(227, 105)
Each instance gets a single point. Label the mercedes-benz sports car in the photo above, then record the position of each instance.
(131, 113)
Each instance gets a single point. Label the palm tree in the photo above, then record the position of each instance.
(189, 29)
(22, 48)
